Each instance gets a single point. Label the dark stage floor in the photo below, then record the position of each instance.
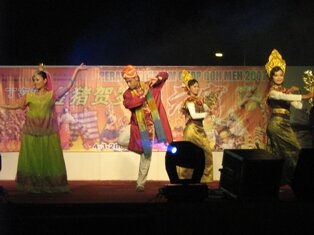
(94, 207)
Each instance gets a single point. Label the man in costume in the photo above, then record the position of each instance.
(148, 117)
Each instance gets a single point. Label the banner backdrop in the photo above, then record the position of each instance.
(91, 114)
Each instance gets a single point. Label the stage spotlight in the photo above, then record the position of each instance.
(184, 154)
(189, 155)
(172, 149)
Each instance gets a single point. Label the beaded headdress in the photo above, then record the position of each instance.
(275, 59)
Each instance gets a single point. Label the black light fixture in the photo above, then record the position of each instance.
(189, 155)
(303, 184)
(184, 154)
(2, 191)
(250, 173)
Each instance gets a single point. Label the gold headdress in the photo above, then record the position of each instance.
(41, 67)
(275, 59)
(186, 77)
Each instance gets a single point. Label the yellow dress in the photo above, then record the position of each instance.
(281, 139)
(195, 133)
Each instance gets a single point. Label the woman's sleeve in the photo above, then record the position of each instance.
(297, 104)
(277, 95)
(206, 108)
(195, 115)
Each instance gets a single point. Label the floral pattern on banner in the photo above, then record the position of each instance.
(91, 114)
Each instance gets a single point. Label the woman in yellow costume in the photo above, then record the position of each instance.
(281, 139)
(195, 110)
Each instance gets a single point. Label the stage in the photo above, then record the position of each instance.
(99, 206)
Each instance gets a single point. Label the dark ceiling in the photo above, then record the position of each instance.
(155, 32)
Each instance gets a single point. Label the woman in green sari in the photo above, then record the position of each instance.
(41, 167)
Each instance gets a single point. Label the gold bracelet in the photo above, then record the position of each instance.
(280, 111)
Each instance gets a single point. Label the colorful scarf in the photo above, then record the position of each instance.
(140, 117)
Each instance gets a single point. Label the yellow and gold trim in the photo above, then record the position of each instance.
(281, 111)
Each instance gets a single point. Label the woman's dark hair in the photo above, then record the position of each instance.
(192, 82)
(273, 71)
(43, 74)
(40, 73)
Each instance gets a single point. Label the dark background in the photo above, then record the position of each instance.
(155, 32)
